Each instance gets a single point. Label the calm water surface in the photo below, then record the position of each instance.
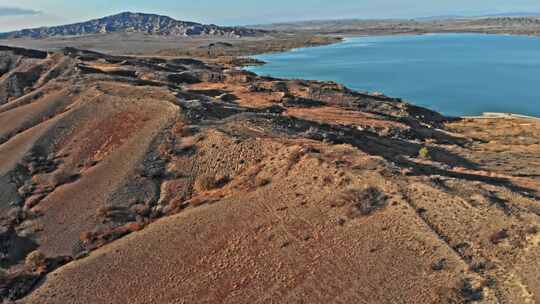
(455, 74)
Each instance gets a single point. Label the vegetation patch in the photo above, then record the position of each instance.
(423, 153)
(261, 182)
(364, 202)
(207, 182)
(499, 236)
(35, 259)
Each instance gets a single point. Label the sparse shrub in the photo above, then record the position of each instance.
(90, 163)
(175, 206)
(438, 265)
(470, 293)
(27, 189)
(206, 182)
(35, 259)
(33, 201)
(115, 234)
(532, 230)
(534, 209)
(19, 175)
(499, 237)
(141, 209)
(62, 178)
(104, 211)
(341, 221)
(185, 149)
(198, 201)
(133, 227)
(115, 213)
(261, 182)
(79, 250)
(86, 236)
(18, 285)
(3, 274)
(295, 156)
(166, 149)
(481, 266)
(155, 169)
(253, 171)
(364, 202)
(424, 153)
(327, 180)
(222, 180)
(19, 215)
(280, 86)
(312, 133)
(29, 228)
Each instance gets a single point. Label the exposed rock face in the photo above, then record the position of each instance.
(135, 23)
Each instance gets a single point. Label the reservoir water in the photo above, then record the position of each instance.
(455, 74)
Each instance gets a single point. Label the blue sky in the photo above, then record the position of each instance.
(16, 14)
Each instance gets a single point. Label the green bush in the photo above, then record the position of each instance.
(424, 153)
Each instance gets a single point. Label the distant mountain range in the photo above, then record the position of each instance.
(498, 15)
(514, 14)
(136, 23)
(347, 21)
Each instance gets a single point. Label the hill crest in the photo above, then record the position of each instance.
(133, 23)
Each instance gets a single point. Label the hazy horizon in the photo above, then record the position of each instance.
(32, 13)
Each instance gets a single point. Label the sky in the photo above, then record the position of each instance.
(18, 14)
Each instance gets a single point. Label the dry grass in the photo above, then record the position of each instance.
(261, 182)
(35, 259)
(205, 183)
(499, 236)
(103, 211)
(295, 156)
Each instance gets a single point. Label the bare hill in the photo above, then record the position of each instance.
(153, 180)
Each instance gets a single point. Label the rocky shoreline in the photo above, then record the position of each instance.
(251, 61)
(494, 115)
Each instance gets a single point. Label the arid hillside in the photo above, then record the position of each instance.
(515, 25)
(173, 180)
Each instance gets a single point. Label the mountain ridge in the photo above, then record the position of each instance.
(133, 22)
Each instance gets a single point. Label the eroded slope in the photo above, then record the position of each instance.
(236, 188)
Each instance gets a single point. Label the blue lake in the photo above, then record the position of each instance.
(455, 74)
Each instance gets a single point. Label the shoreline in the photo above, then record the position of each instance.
(349, 35)
(497, 115)
(345, 38)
